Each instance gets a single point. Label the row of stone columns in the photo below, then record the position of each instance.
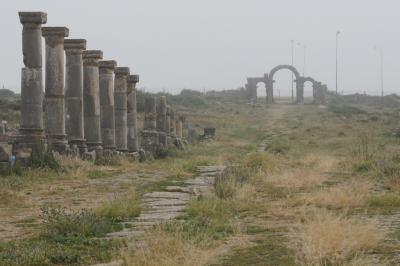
(93, 111)
(160, 127)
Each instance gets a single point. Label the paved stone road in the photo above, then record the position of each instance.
(162, 206)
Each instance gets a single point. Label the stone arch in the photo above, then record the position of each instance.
(251, 86)
(280, 67)
(314, 85)
(299, 83)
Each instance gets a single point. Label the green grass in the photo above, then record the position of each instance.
(121, 208)
(268, 249)
(66, 238)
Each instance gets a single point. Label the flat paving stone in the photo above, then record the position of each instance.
(164, 202)
(178, 189)
(166, 195)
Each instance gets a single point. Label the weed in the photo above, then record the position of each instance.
(61, 222)
(327, 239)
(121, 208)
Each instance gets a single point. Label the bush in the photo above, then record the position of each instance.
(121, 208)
(60, 222)
(108, 159)
(259, 162)
(279, 146)
(224, 186)
(42, 159)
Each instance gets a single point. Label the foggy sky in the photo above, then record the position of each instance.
(216, 44)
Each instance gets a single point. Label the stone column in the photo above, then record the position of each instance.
(270, 91)
(168, 123)
(107, 113)
(74, 92)
(132, 137)
(92, 99)
(121, 75)
(150, 136)
(172, 130)
(162, 121)
(31, 131)
(178, 128)
(55, 92)
(299, 90)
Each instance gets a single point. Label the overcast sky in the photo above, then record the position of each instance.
(216, 44)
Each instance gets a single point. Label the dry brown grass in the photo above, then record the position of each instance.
(73, 165)
(165, 249)
(352, 194)
(325, 238)
(309, 174)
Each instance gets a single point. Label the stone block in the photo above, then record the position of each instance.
(5, 152)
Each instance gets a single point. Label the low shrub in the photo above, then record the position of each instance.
(43, 159)
(279, 146)
(259, 162)
(120, 208)
(61, 222)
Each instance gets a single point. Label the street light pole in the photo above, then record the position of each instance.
(337, 40)
(304, 56)
(292, 47)
(380, 51)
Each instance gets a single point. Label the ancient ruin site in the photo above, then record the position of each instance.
(191, 133)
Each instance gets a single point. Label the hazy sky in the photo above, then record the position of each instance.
(216, 44)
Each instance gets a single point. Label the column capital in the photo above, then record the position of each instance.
(55, 32)
(33, 17)
(133, 79)
(93, 54)
(108, 64)
(78, 45)
(122, 71)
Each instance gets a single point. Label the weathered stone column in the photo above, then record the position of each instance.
(300, 90)
(107, 113)
(178, 127)
(270, 91)
(162, 121)
(121, 75)
(168, 123)
(55, 92)
(172, 130)
(91, 98)
(150, 135)
(324, 92)
(74, 92)
(132, 137)
(31, 132)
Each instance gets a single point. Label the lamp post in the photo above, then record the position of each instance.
(337, 42)
(304, 56)
(292, 47)
(380, 51)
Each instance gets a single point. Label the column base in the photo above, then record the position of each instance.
(162, 139)
(94, 146)
(150, 140)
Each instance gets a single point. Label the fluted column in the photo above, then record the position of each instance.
(55, 91)
(31, 132)
(107, 106)
(91, 98)
(132, 136)
(120, 97)
(162, 120)
(74, 92)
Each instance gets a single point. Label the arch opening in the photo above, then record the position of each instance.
(261, 91)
